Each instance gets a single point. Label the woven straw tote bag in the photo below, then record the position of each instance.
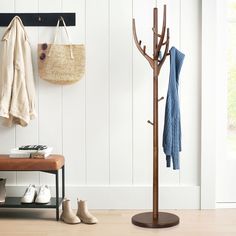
(61, 63)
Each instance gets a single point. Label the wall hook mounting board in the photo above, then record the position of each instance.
(38, 19)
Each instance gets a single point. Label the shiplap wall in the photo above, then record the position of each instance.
(100, 124)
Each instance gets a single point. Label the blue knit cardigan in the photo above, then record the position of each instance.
(172, 127)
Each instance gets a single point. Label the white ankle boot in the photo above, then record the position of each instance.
(68, 216)
(84, 215)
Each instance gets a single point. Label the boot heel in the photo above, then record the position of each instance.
(84, 214)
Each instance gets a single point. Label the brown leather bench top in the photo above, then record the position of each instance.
(53, 162)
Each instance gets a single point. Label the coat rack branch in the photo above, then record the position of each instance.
(138, 44)
(39, 19)
(156, 33)
(166, 49)
(155, 219)
(163, 31)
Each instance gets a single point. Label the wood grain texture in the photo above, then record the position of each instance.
(41, 223)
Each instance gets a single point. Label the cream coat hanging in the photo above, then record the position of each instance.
(17, 90)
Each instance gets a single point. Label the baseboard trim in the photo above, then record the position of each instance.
(225, 205)
(127, 197)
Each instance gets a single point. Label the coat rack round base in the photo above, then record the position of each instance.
(163, 220)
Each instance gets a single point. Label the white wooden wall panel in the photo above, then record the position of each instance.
(120, 92)
(100, 124)
(209, 61)
(50, 96)
(29, 134)
(97, 91)
(142, 95)
(73, 107)
(190, 91)
(7, 135)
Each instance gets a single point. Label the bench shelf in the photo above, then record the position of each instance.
(51, 165)
(15, 202)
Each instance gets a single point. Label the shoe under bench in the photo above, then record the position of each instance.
(54, 164)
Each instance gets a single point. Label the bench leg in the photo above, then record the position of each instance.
(63, 182)
(57, 196)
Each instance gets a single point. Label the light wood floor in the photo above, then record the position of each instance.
(18, 222)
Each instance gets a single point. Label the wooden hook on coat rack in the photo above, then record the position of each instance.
(157, 45)
(150, 122)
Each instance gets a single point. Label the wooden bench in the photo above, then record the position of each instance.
(53, 164)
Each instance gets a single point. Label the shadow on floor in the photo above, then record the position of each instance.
(29, 214)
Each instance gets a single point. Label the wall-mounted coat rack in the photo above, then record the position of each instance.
(38, 19)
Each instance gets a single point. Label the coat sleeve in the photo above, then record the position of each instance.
(29, 80)
(23, 78)
(6, 73)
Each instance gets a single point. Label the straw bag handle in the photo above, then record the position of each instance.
(68, 37)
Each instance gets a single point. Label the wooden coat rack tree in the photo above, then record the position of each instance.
(155, 219)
